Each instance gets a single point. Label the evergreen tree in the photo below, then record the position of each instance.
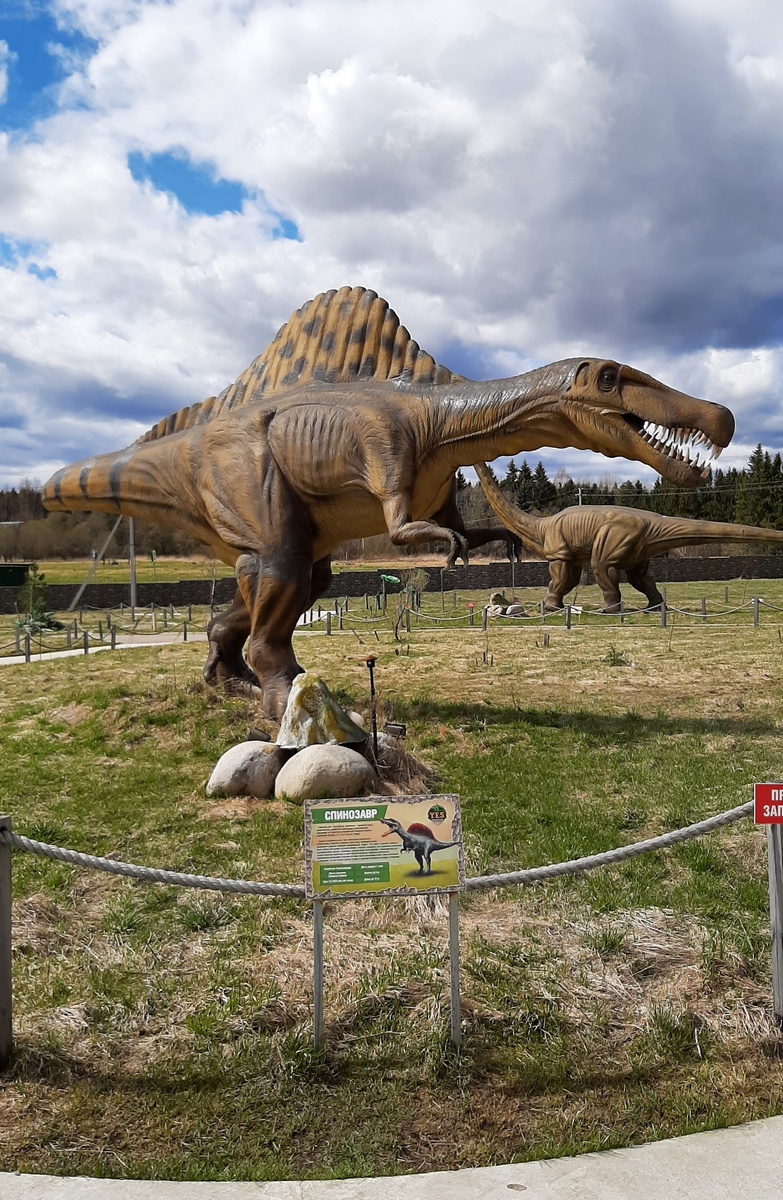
(544, 491)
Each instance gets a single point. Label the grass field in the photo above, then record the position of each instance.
(165, 1033)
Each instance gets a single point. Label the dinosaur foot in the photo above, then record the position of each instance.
(459, 549)
(221, 668)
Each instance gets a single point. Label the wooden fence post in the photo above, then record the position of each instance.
(328, 624)
(568, 616)
(663, 613)
(755, 612)
(27, 647)
(86, 642)
(6, 1030)
(113, 632)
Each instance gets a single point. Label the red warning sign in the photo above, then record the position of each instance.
(768, 803)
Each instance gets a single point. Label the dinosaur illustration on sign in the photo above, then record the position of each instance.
(609, 539)
(418, 839)
(345, 428)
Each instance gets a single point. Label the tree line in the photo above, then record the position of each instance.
(752, 496)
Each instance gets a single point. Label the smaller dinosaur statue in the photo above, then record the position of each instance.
(608, 539)
(417, 839)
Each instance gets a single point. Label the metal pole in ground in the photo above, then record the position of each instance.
(86, 642)
(6, 1030)
(27, 654)
(371, 661)
(132, 566)
(318, 973)
(775, 865)
(755, 612)
(456, 1014)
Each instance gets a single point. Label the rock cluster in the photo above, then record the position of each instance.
(317, 753)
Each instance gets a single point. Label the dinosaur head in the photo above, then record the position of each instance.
(393, 826)
(621, 412)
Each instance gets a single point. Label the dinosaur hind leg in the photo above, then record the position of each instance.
(641, 579)
(563, 577)
(226, 635)
(275, 590)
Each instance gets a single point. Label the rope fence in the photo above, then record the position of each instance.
(533, 875)
(164, 620)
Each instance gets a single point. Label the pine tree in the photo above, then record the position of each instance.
(544, 491)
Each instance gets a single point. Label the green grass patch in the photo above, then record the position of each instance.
(165, 1033)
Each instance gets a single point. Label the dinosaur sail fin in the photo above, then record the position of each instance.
(336, 337)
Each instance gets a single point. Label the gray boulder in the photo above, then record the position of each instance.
(327, 772)
(249, 769)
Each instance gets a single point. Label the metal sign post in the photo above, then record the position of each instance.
(454, 1002)
(768, 810)
(318, 973)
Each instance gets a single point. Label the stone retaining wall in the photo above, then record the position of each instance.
(478, 577)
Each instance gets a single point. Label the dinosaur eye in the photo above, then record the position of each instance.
(607, 379)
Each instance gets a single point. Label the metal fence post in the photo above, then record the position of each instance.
(6, 1030)
(27, 647)
(663, 613)
(568, 616)
(184, 631)
(113, 632)
(755, 612)
(484, 619)
(775, 866)
(318, 973)
(86, 642)
(328, 624)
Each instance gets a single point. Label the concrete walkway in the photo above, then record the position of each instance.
(743, 1163)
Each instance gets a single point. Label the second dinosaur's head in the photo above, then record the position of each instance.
(600, 405)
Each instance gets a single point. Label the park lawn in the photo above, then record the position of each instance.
(165, 1033)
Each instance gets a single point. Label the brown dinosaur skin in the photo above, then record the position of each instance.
(276, 483)
(609, 539)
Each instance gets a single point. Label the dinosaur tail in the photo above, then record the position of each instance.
(125, 483)
(521, 523)
(689, 532)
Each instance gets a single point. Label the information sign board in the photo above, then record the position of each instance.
(768, 803)
(383, 845)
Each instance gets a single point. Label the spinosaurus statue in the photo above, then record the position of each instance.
(609, 539)
(344, 428)
(417, 839)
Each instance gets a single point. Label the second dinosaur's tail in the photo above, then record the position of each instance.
(688, 531)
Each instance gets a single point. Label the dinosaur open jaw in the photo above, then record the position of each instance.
(679, 446)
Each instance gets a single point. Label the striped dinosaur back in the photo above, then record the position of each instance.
(339, 336)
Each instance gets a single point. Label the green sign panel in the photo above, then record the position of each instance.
(395, 846)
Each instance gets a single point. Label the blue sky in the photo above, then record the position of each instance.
(522, 182)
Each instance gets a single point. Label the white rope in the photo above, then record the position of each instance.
(532, 875)
(576, 865)
(151, 875)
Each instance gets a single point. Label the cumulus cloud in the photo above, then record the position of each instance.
(522, 181)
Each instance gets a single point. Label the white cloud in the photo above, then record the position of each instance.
(522, 181)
